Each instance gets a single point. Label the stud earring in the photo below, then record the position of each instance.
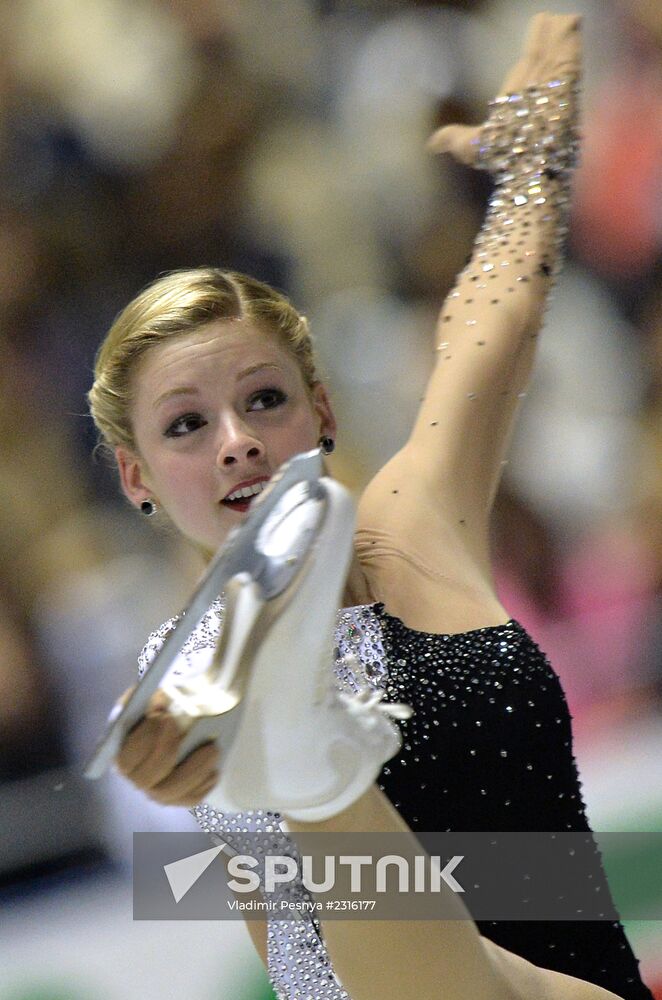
(148, 508)
(327, 444)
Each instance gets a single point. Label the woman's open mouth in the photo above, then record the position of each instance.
(241, 497)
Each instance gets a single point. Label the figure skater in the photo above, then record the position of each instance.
(206, 384)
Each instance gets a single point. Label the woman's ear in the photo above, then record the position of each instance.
(324, 410)
(130, 468)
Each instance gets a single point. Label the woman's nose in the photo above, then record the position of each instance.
(238, 445)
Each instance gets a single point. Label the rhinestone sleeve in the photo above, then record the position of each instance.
(530, 144)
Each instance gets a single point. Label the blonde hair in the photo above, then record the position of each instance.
(176, 304)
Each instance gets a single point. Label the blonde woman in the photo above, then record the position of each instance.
(206, 384)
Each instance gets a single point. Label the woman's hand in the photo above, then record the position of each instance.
(148, 758)
(552, 49)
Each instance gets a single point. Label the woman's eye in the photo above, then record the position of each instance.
(266, 399)
(184, 425)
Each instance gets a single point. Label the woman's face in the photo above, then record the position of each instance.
(214, 412)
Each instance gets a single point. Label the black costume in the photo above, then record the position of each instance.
(489, 748)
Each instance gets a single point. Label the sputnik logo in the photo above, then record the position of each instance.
(183, 874)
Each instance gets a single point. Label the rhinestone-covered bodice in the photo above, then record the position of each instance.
(487, 749)
(490, 716)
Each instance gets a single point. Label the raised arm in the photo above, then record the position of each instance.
(487, 329)
(444, 479)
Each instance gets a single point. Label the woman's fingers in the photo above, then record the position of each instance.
(157, 733)
(569, 48)
(149, 759)
(159, 702)
(535, 44)
(191, 780)
(562, 53)
(552, 49)
(149, 752)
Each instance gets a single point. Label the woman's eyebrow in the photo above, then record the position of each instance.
(185, 390)
(256, 368)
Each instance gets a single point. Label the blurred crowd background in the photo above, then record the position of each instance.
(286, 139)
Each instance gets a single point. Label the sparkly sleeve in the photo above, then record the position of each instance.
(450, 466)
(489, 324)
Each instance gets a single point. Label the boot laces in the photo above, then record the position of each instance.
(366, 701)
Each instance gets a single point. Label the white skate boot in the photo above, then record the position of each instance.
(289, 741)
